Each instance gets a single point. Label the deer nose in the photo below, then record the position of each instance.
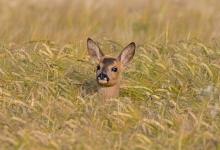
(103, 76)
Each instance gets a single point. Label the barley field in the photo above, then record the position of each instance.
(170, 93)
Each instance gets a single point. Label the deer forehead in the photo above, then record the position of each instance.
(109, 61)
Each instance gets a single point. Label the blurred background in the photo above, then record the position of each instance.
(121, 20)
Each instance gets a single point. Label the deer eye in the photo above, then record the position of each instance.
(98, 67)
(114, 69)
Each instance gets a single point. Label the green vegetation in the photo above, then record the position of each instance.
(170, 94)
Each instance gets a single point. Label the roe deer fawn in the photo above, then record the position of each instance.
(109, 68)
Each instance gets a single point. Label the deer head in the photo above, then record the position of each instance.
(109, 68)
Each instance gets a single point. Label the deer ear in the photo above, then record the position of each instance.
(94, 50)
(127, 54)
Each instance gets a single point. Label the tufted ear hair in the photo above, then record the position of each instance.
(127, 54)
(94, 50)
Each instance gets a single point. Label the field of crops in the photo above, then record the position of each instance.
(170, 93)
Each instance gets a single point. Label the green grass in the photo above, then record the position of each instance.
(170, 94)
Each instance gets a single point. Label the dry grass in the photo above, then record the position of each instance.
(170, 97)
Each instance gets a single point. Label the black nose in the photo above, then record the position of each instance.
(103, 76)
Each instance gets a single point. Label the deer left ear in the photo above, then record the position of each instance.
(127, 54)
(94, 50)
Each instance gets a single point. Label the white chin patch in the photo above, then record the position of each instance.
(102, 81)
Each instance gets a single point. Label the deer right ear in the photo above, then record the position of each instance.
(94, 50)
(127, 54)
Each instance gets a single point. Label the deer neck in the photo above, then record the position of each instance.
(109, 92)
